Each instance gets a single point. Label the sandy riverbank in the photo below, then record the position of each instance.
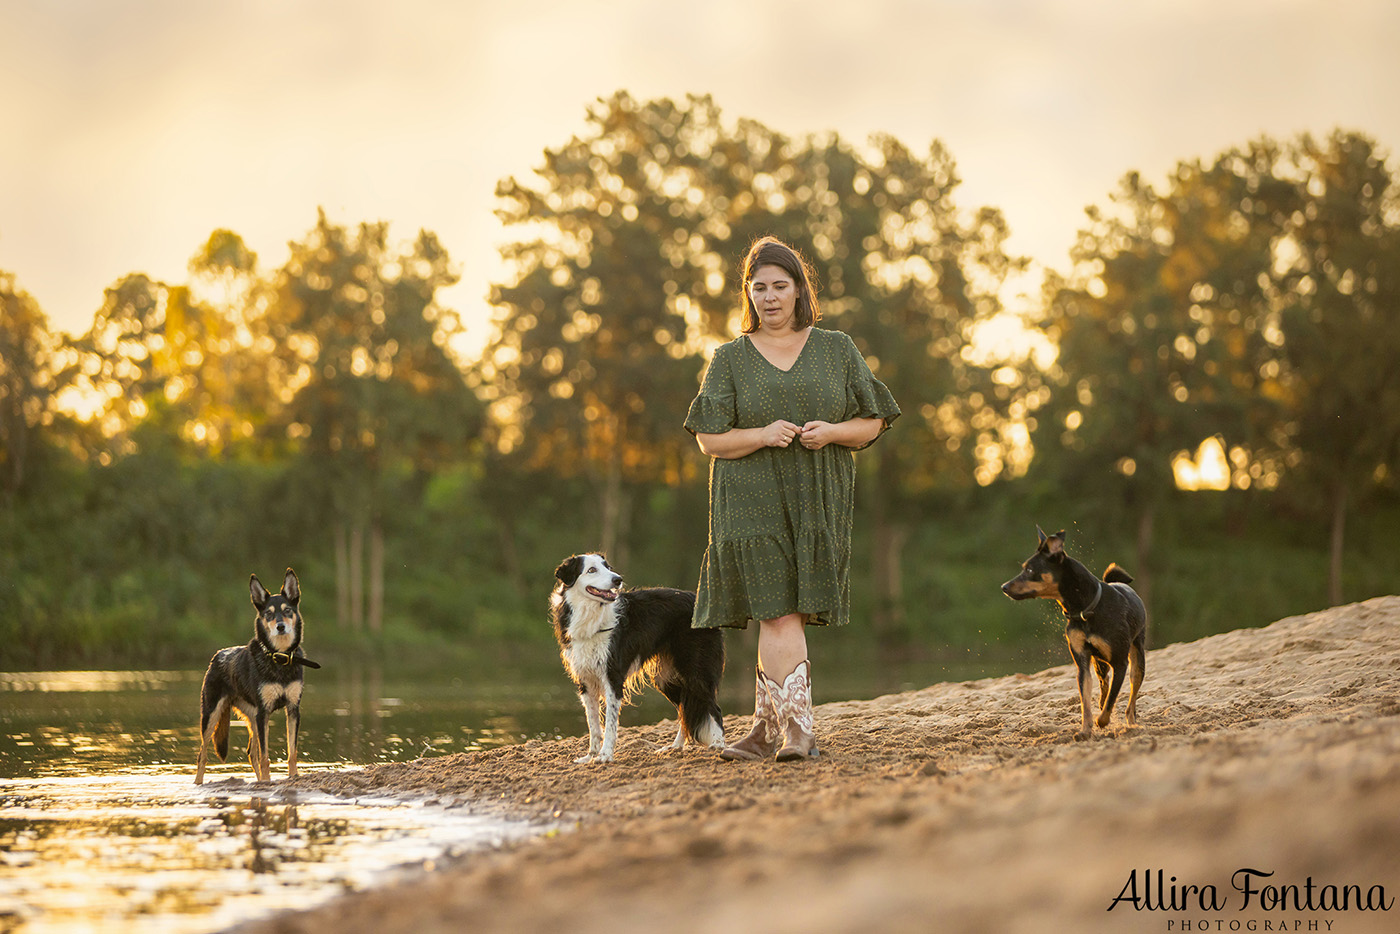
(962, 807)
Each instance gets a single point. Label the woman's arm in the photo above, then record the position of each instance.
(741, 442)
(851, 434)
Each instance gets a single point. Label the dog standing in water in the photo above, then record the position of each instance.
(256, 680)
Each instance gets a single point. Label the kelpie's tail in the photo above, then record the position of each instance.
(1116, 575)
(221, 735)
(210, 706)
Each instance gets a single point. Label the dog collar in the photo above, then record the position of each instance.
(1088, 611)
(287, 659)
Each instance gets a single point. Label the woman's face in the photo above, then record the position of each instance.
(774, 297)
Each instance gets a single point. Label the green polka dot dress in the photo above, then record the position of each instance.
(780, 518)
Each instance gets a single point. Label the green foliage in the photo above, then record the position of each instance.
(30, 380)
(314, 415)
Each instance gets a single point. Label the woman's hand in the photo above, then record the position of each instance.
(852, 434)
(817, 435)
(780, 434)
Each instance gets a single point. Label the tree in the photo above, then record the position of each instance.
(1167, 336)
(367, 388)
(1337, 263)
(30, 380)
(595, 353)
(910, 276)
(625, 280)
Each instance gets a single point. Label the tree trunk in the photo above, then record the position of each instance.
(612, 506)
(510, 555)
(1142, 574)
(887, 545)
(1339, 528)
(376, 576)
(887, 571)
(342, 576)
(357, 576)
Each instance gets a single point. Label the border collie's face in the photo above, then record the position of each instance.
(588, 577)
(278, 616)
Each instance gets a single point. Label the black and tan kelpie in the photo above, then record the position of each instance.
(1106, 623)
(256, 680)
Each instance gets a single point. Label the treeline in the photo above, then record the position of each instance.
(320, 414)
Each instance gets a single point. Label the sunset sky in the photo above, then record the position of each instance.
(134, 129)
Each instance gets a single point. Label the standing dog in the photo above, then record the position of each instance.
(1106, 623)
(257, 679)
(613, 640)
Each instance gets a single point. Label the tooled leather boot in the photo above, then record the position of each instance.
(793, 698)
(762, 740)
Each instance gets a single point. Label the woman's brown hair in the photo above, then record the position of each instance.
(770, 251)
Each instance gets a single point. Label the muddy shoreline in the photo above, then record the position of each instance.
(962, 807)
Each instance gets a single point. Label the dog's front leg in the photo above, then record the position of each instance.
(257, 744)
(266, 749)
(1120, 668)
(613, 706)
(293, 731)
(595, 729)
(1085, 665)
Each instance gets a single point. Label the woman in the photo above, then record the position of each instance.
(781, 408)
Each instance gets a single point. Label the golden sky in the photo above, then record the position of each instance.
(133, 129)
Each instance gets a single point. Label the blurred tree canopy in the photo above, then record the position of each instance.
(1252, 300)
(31, 377)
(625, 278)
(366, 387)
(317, 414)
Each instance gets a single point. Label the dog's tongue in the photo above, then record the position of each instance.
(603, 594)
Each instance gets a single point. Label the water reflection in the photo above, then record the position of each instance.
(101, 827)
(148, 852)
(79, 723)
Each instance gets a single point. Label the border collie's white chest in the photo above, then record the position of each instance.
(591, 626)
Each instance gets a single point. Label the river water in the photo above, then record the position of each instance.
(103, 829)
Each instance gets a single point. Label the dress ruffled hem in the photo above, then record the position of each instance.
(747, 579)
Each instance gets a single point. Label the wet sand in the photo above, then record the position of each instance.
(961, 807)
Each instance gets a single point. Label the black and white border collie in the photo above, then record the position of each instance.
(612, 641)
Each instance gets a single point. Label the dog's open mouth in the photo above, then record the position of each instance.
(607, 596)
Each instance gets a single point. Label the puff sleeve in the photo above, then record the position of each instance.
(713, 411)
(866, 396)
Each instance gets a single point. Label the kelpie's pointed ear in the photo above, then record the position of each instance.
(1055, 545)
(1040, 533)
(258, 593)
(291, 587)
(569, 570)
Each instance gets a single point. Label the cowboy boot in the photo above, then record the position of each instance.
(793, 698)
(762, 740)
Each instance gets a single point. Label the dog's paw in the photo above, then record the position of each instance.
(584, 759)
(603, 757)
(1082, 735)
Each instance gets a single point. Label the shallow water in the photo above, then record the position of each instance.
(153, 852)
(102, 827)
